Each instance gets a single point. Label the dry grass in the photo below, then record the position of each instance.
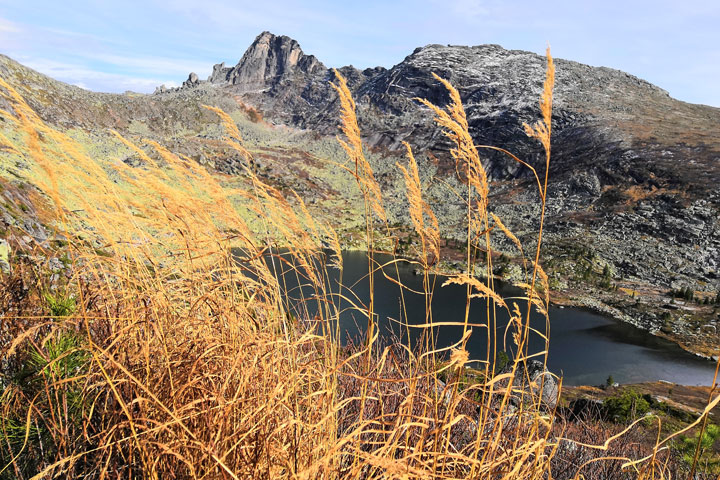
(171, 352)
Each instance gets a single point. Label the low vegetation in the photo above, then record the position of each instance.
(165, 347)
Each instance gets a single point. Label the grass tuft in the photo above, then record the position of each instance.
(173, 350)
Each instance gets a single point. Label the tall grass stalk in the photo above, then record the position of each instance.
(183, 356)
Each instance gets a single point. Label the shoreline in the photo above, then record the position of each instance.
(609, 304)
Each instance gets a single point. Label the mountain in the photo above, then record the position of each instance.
(634, 178)
(599, 115)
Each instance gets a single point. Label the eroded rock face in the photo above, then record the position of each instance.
(268, 61)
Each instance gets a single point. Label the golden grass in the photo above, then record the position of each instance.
(428, 231)
(193, 365)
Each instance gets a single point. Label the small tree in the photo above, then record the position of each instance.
(688, 294)
(688, 446)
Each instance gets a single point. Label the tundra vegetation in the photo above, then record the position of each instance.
(168, 349)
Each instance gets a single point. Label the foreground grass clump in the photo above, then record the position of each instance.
(171, 351)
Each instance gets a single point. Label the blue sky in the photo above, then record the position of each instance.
(111, 45)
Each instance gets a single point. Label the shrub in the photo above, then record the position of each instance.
(628, 405)
(501, 360)
(51, 380)
(59, 304)
(708, 459)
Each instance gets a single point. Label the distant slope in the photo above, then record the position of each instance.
(635, 174)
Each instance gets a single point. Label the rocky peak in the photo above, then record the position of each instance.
(599, 113)
(269, 60)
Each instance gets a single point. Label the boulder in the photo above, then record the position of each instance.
(192, 81)
(543, 382)
(536, 382)
(219, 74)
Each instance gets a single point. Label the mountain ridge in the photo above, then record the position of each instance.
(635, 174)
(499, 89)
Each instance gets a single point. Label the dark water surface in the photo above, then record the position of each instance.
(584, 349)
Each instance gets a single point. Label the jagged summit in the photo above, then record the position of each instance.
(268, 61)
(600, 116)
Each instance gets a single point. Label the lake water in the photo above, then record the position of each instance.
(585, 347)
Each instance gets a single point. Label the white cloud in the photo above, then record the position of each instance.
(95, 80)
(6, 26)
(169, 66)
(90, 61)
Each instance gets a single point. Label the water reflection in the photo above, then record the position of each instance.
(585, 348)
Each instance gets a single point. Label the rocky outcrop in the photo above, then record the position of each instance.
(601, 115)
(535, 383)
(192, 81)
(269, 61)
(220, 74)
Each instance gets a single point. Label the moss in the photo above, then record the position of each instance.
(4, 251)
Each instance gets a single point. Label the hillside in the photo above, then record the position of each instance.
(634, 181)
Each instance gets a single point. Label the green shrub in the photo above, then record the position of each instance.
(708, 460)
(501, 360)
(60, 305)
(42, 405)
(628, 405)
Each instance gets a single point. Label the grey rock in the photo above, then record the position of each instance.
(220, 73)
(192, 81)
(133, 161)
(269, 61)
(7, 218)
(542, 383)
(55, 264)
(536, 384)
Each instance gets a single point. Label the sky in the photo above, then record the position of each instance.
(114, 46)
